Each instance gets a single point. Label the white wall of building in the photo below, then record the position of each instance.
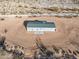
(40, 29)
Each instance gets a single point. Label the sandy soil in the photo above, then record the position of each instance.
(67, 31)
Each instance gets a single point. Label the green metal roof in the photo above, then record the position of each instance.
(41, 24)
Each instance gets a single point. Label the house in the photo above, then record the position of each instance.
(37, 25)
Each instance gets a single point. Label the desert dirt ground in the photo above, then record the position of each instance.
(67, 30)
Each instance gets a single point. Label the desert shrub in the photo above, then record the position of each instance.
(17, 55)
(2, 52)
(2, 19)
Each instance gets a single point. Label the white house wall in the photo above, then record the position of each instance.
(40, 29)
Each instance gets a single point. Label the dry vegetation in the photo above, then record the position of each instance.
(36, 7)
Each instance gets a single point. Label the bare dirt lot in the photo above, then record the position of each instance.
(67, 31)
